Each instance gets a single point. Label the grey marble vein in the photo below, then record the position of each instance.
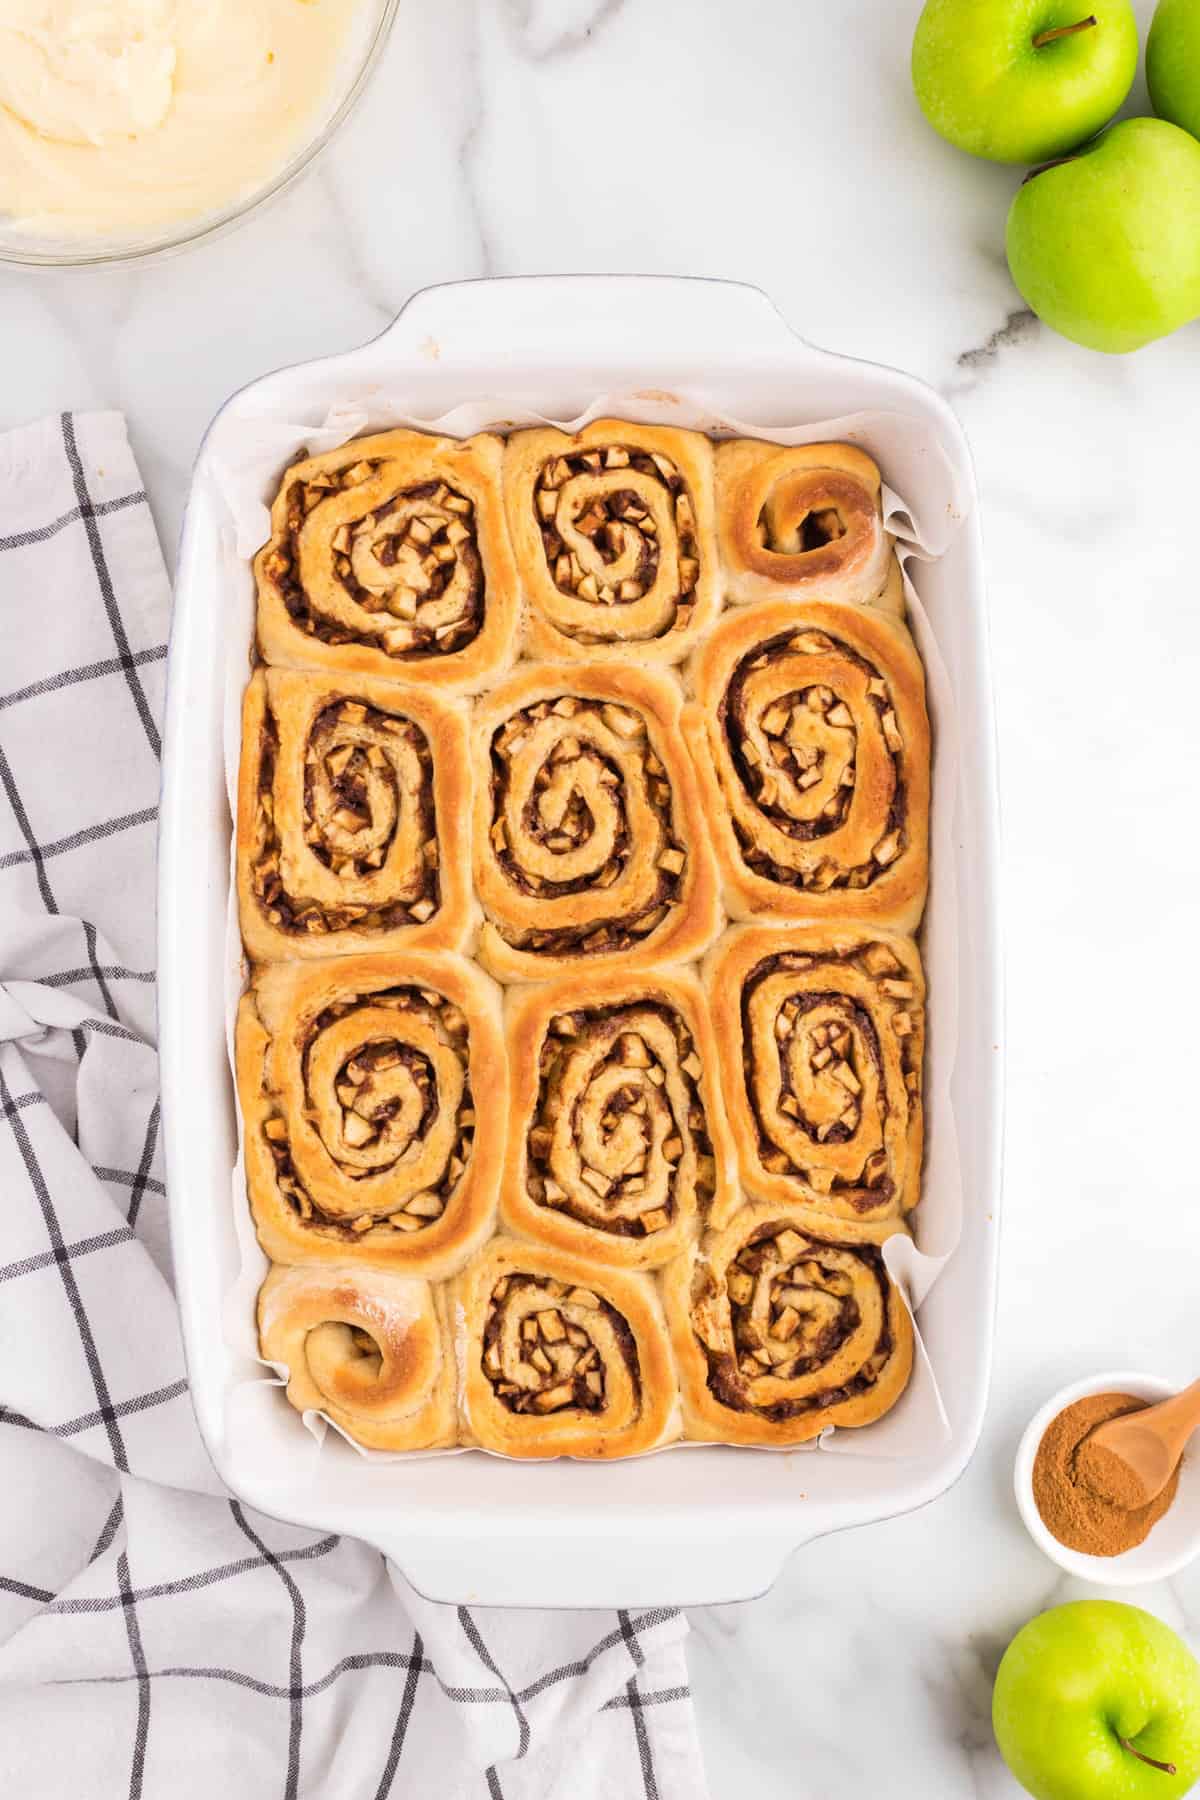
(547, 29)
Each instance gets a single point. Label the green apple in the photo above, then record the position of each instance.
(1023, 80)
(1099, 1701)
(1173, 63)
(1105, 247)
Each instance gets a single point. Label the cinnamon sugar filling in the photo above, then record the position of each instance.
(577, 812)
(601, 534)
(803, 780)
(792, 1307)
(832, 1077)
(387, 1099)
(619, 1123)
(366, 773)
(412, 562)
(538, 1352)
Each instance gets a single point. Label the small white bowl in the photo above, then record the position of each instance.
(1172, 1543)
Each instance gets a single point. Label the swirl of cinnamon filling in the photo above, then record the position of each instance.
(784, 1323)
(390, 556)
(351, 828)
(822, 1035)
(624, 1141)
(560, 1359)
(613, 532)
(366, 1347)
(361, 1082)
(806, 520)
(585, 844)
(817, 767)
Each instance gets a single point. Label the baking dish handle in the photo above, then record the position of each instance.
(557, 1570)
(504, 321)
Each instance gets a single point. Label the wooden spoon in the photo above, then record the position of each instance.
(1131, 1459)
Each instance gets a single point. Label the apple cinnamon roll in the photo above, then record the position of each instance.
(389, 556)
(559, 1358)
(587, 845)
(613, 533)
(822, 1035)
(812, 743)
(619, 1149)
(353, 818)
(805, 521)
(362, 1082)
(369, 1348)
(784, 1323)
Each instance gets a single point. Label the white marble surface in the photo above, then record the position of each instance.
(776, 141)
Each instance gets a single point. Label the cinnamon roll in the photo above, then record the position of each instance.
(362, 1082)
(812, 741)
(389, 556)
(559, 1358)
(619, 1148)
(805, 521)
(783, 1323)
(368, 1348)
(587, 846)
(353, 818)
(822, 1034)
(613, 533)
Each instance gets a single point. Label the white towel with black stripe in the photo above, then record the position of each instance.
(155, 1637)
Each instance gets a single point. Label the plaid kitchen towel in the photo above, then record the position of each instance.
(157, 1638)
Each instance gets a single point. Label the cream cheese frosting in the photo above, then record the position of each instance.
(121, 116)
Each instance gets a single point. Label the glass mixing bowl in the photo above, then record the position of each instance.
(360, 56)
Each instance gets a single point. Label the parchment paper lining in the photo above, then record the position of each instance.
(242, 469)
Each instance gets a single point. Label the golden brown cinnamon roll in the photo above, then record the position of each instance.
(806, 521)
(784, 1323)
(367, 1347)
(353, 818)
(560, 1358)
(812, 742)
(822, 1037)
(587, 845)
(363, 1082)
(389, 556)
(613, 533)
(619, 1149)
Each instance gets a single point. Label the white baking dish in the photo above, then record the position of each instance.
(705, 1524)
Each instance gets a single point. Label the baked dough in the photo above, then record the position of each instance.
(367, 1347)
(363, 1082)
(822, 1035)
(694, 1170)
(353, 818)
(389, 556)
(587, 844)
(560, 1359)
(614, 539)
(619, 1149)
(784, 1323)
(805, 521)
(811, 739)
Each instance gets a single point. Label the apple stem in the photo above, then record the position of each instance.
(1167, 1768)
(1061, 31)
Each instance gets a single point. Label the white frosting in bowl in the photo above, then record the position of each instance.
(121, 116)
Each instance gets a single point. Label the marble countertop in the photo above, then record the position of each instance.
(777, 142)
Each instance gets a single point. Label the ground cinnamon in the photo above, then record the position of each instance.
(1080, 1515)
